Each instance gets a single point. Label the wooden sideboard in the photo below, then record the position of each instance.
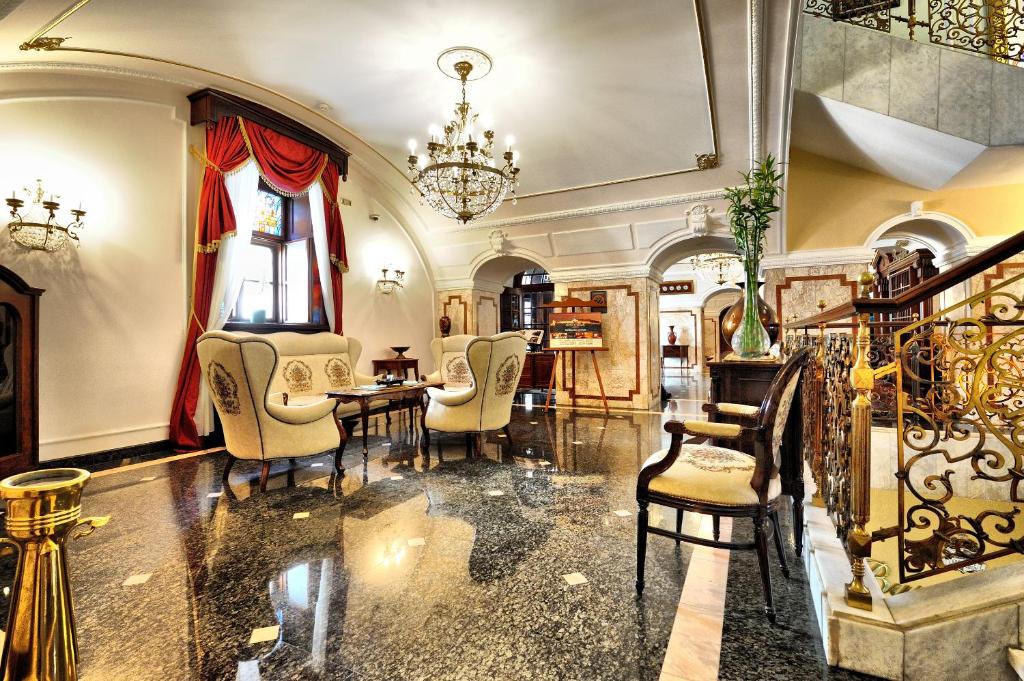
(536, 370)
(747, 383)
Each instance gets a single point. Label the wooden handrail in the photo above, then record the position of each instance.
(923, 291)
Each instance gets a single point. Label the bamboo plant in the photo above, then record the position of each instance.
(751, 207)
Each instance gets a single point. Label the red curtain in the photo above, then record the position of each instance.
(290, 167)
(335, 238)
(284, 163)
(225, 151)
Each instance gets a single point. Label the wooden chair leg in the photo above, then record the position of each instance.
(337, 461)
(716, 527)
(264, 474)
(641, 546)
(798, 519)
(508, 436)
(469, 445)
(777, 531)
(761, 543)
(679, 524)
(227, 468)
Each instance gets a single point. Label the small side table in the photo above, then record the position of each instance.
(398, 366)
(680, 352)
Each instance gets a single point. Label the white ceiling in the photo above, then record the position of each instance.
(593, 90)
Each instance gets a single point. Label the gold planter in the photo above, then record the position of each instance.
(43, 511)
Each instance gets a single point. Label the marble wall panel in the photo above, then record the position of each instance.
(626, 367)
(486, 306)
(914, 83)
(1007, 105)
(866, 69)
(821, 59)
(965, 95)
(963, 648)
(798, 290)
(457, 306)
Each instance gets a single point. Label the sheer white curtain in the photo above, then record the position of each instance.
(323, 260)
(243, 189)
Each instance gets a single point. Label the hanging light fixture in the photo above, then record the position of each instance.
(458, 176)
(38, 228)
(720, 267)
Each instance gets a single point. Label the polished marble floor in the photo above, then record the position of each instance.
(517, 564)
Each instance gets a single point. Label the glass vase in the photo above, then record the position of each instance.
(750, 340)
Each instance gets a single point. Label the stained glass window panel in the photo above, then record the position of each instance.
(270, 214)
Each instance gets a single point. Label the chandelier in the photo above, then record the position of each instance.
(721, 267)
(458, 176)
(38, 228)
(390, 284)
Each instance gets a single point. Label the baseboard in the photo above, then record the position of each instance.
(99, 442)
(98, 460)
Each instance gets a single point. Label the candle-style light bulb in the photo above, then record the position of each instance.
(515, 158)
(509, 141)
(421, 160)
(412, 146)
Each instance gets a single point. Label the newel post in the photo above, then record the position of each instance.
(862, 377)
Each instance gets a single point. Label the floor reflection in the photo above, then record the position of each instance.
(413, 565)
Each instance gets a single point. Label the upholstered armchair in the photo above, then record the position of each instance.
(724, 481)
(450, 365)
(494, 365)
(258, 425)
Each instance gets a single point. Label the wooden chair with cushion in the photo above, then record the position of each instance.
(718, 481)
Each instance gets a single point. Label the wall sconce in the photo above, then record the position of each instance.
(38, 229)
(386, 285)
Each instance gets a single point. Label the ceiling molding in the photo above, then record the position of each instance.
(756, 65)
(101, 69)
(858, 255)
(589, 211)
(603, 273)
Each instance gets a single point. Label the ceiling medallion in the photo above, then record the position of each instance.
(458, 176)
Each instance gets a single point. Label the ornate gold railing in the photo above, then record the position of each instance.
(994, 28)
(953, 383)
(961, 433)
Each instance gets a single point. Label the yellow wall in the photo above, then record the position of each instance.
(832, 205)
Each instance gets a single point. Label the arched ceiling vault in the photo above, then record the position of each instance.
(611, 103)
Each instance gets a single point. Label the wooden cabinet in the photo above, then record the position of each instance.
(19, 374)
(536, 370)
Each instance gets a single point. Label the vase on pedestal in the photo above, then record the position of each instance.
(750, 340)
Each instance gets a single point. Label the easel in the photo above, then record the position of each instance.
(561, 355)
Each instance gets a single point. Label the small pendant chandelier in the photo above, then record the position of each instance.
(458, 176)
(38, 228)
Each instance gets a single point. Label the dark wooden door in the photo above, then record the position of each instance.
(19, 374)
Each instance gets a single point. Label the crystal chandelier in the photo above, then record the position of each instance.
(720, 267)
(38, 228)
(458, 176)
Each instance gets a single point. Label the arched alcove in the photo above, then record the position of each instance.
(672, 251)
(944, 235)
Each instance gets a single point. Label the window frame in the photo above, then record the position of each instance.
(278, 245)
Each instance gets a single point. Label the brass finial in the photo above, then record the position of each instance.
(821, 305)
(866, 281)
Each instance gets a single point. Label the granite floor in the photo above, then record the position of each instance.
(517, 564)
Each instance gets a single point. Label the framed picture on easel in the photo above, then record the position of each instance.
(575, 330)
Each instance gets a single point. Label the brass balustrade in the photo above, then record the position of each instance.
(956, 383)
(994, 28)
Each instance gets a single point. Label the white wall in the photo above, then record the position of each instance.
(114, 312)
(111, 326)
(405, 317)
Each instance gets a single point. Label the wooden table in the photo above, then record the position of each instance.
(746, 382)
(680, 352)
(398, 366)
(364, 396)
(560, 355)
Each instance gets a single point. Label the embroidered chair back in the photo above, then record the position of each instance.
(450, 360)
(312, 364)
(238, 370)
(496, 363)
(772, 420)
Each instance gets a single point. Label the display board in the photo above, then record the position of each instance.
(575, 330)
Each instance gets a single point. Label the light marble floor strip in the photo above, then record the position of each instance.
(695, 645)
(154, 462)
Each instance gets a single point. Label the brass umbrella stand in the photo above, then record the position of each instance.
(43, 511)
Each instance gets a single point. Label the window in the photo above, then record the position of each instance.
(281, 285)
(527, 311)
